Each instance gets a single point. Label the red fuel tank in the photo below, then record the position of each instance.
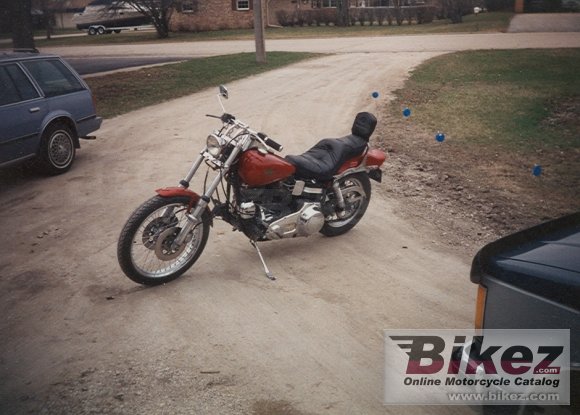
(257, 169)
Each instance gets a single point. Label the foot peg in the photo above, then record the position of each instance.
(268, 273)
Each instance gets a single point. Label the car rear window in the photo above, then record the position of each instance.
(15, 85)
(53, 77)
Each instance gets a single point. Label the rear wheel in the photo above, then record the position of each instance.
(146, 252)
(356, 191)
(92, 31)
(101, 30)
(57, 149)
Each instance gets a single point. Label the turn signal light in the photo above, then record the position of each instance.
(480, 307)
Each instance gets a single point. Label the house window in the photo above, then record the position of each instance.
(189, 6)
(373, 3)
(242, 4)
(323, 3)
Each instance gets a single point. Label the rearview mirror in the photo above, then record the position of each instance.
(224, 91)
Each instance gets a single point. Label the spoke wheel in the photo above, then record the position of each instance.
(356, 192)
(146, 250)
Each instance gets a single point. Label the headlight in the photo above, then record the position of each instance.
(214, 145)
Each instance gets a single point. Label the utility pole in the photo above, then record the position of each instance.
(259, 32)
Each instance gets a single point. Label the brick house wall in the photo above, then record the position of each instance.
(213, 15)
(222, 14)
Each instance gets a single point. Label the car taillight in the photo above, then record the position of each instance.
(480, 307)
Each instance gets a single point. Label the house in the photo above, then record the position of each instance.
(203, 15)
(60, 12)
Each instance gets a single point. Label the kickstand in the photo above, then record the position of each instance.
(268, 273)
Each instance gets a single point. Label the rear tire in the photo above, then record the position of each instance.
(57, 149)
(356, 191)
(145, 247)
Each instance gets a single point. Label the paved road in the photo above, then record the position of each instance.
(387, 44)
(91, 65)
(545, 22)
(78, 337)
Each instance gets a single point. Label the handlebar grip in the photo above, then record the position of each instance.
(227, 117)
(273, 144)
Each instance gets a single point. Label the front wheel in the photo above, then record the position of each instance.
(356, 192)
(146, 252)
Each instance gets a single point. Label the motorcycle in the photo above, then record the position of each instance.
(267, 197)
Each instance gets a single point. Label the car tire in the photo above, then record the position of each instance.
(57, 149)
(101, 30)
(92, 31)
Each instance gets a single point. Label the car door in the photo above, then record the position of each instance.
(64, 92)
(22, 111)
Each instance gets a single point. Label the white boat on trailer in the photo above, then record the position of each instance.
(108, 16)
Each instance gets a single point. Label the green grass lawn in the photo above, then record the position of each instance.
(517, 99)
(486, 22)
(126, 91)
(502, 112)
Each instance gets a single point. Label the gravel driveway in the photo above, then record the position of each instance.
(78, 337)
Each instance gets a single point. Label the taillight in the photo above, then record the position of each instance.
(480, 307)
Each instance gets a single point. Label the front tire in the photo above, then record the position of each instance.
(356, 191)
(145, 251)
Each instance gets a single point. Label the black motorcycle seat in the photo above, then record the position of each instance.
(323, 160)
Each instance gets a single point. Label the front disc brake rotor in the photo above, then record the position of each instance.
(163, 246)
(154, 228)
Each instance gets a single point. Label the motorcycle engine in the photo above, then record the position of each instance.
(271, 213)
(307, 221)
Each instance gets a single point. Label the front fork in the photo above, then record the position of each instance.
(194, 218)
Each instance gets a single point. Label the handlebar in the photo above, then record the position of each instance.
(229, 118)
(273, 144)
(270, 143)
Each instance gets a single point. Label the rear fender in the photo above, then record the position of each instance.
(373, 158)
(370, 162)
(181, 191)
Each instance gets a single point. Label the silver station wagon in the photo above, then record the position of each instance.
(45, 107)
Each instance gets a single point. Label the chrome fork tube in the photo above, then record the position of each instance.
(194, 167)
(194, 217)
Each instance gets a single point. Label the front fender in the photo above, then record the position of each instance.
(182, 191)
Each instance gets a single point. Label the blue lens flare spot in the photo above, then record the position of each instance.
(406, 112)
(375, 95)
(536, 170)
(440, 137)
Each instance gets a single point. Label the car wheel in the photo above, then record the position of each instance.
(92, 31)
(57, 149)
(101, 30)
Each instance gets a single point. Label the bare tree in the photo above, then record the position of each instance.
(48, 8)
(20, 13)
(343, 14)
(397, 5)
(454, 10)
(159, 11)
